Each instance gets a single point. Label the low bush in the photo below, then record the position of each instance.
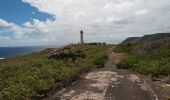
(100, 60)
(34, 75)
(128, 64)
(130, 47)
(155, 63)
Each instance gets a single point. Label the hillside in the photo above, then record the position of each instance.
(146, 38)
(154, 49)
(151, 57)
(34, 76)
(130, 40)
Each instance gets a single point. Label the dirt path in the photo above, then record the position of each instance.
(107, 83)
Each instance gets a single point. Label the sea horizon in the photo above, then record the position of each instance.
(30, 46)
(14, 51)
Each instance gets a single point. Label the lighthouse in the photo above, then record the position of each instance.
(81, 37)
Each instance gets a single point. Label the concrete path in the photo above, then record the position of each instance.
(107, 83)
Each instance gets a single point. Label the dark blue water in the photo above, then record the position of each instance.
(6, 52)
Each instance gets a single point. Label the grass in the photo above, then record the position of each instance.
(128, 48)
(35, 76)
(100, 60)
(156, 62)
(152, 59)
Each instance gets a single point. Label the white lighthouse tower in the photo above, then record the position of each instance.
(81, 37)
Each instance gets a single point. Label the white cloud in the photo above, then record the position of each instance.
(99, 20)
(5, 41)
(74, 15)
(102, 20)
(142, 12)
(3, 23)
(102, 17)
(18, 32)
(112, 19)
(11, 27)
(27, 24)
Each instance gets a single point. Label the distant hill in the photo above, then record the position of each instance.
(130, 40)
(154, 37)
(146, 38)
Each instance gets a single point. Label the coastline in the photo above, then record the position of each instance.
(11, 52)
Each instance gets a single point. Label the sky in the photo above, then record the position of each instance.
(57, 22)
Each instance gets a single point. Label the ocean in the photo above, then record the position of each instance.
(6, 52)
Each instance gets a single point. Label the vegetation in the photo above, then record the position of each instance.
(131, 40)
(151, 57)
(36, 76)
(100, 60)
(155, 63)
(67, 53)
(128, 48)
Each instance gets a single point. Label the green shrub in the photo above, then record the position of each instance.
(128, 63)
(100, 60)
(34, 75)
(128, 48)
(156, 62)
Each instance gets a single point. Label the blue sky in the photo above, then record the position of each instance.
(19, 12)
(55, 22)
